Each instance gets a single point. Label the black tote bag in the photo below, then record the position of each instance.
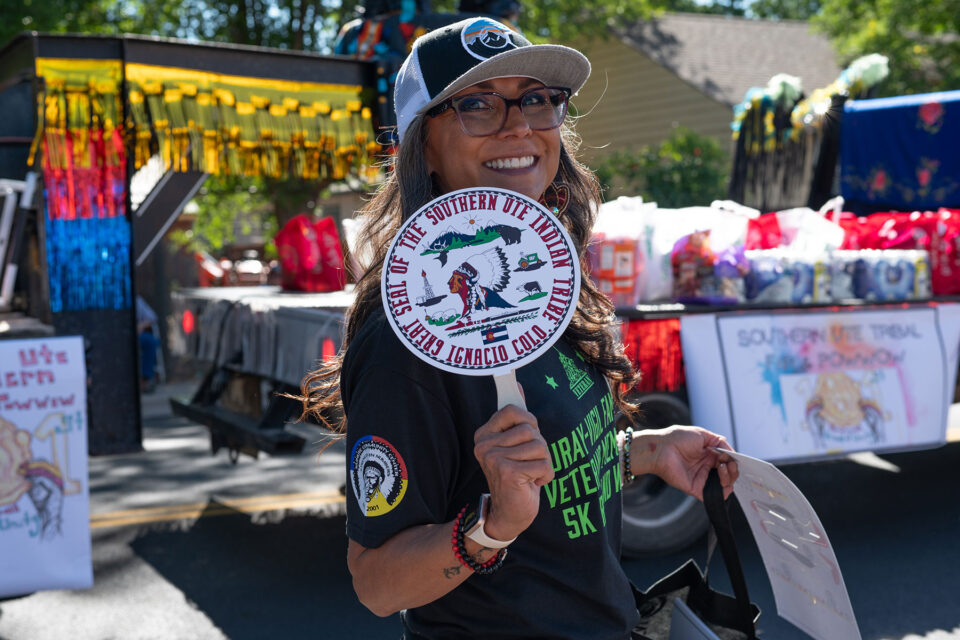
(704, 611)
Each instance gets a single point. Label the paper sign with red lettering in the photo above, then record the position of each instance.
(44, 489)
(480, 281)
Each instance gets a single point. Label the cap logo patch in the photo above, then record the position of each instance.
(484, 38)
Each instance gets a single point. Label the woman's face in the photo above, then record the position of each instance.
(516, 158)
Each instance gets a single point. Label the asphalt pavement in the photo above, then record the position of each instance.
(187, 545)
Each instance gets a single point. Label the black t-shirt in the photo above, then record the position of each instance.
(410, 462)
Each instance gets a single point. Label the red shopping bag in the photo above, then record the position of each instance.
(310, 255)
(943, 228)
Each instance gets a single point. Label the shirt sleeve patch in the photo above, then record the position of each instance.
(378, 475)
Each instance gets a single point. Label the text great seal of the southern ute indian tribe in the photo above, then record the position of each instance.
(480, 281)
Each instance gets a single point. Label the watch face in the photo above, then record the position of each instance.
(472, 519)
(470, 522)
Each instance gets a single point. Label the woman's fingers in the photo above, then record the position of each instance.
(510, 416)
(508, 428)
(517, 434)
(524, 471)
(511, 449)
(505, 454)
(516, 462)
(723, 444)
(729, 472)
(529, 450)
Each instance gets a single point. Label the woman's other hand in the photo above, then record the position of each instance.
(682, 457)
(516, 462)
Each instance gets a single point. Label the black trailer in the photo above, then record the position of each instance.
(80, 116)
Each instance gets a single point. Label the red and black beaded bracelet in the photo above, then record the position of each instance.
(460, 550)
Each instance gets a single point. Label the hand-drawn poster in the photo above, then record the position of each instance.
(44, 493)
(800, 562)
(811, 385)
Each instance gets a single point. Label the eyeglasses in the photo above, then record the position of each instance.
(485, 113)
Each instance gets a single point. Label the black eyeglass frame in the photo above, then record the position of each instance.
(438, 109)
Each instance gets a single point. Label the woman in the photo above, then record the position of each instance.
(424, 445)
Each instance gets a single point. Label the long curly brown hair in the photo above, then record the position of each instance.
(592, 330)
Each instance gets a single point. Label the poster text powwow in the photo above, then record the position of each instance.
(44, 494)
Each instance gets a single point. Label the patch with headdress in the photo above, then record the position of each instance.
(378, 475)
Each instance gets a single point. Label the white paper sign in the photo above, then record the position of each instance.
(810, 385)
(803, 570)
(44, 490)
(480, 281)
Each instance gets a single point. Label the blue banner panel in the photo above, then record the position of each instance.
(901, 153)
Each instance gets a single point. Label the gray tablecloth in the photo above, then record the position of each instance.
(263, 330)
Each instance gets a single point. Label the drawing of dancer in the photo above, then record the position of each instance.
(46, 494)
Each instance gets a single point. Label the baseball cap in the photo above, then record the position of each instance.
(452, 58)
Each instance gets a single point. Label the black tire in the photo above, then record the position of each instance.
(657, 518)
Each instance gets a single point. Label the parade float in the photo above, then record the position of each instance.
(805, 332)
(82, 114)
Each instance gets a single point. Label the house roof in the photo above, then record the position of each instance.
(724, 56)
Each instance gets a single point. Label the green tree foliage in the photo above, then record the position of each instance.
(922, 40)
(784, 9)
(80, 16)
(228, 206)
(567, 20)
(308, 25)
(572, 20)
(686, 169)
(302, 25)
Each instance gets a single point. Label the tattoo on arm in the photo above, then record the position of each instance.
(451, 572)
(478, 556)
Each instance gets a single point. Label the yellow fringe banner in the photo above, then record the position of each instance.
(79, 100)
(224, 124)
(195, 120)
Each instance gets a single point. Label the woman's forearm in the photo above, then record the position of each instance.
(411, 569)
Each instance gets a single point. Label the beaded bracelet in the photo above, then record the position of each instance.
(460, 550)
(628, 476)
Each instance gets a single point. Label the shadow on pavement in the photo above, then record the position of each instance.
(280, 578)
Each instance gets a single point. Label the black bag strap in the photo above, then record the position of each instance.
(746, 613)
(712, 606)
(686, 575)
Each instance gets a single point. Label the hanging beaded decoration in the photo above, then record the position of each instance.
(84, 175)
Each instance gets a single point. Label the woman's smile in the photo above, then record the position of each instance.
(522, 162)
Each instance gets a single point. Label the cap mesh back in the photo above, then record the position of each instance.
(409, 93)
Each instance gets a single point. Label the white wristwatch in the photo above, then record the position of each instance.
(473, 526)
